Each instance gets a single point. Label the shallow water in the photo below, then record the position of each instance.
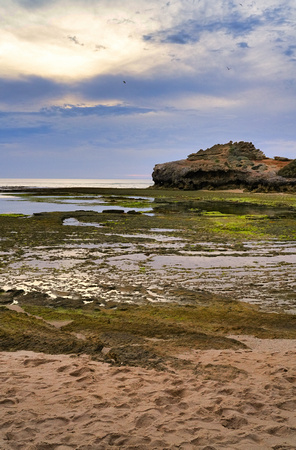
(13, 204)
(20, 203)
(74, 222)
(103, 270)
(154, 261)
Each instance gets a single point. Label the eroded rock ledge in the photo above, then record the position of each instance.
(228, 166)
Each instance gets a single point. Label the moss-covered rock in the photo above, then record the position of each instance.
(20, 331)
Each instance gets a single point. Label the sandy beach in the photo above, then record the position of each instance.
(218, 399)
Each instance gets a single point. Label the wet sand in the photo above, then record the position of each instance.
(217, 399)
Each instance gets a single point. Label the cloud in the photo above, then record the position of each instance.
(6, 134)
(121, 21)
(291, 50)
(234, 25)
(242, 45)
(277, 15)
(109, 36)
(75, 40)
(99, 47)
(34, 4)
(98, 110)
(29, 91)
(181, 37)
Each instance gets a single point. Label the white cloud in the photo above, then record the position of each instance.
(61, 39)
(36, 41)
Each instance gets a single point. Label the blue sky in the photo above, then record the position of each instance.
(196, 72)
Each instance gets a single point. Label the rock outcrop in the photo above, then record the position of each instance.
(228, 166)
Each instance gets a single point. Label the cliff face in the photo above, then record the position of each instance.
(226, 166)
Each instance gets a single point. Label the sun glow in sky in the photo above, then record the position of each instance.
(197, 73)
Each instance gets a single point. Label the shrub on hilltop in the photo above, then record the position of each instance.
(289, 171)
(231, 149)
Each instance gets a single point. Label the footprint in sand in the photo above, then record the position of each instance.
(172, 397)
(37, 362)
(234, 422)
(251, 408)
(86, 378)
(80, 372)
(176, 393)
(145, 420)
(9, 401)
(120, 371)
(52, 422)
(165, 401)
(289, 405)
(25, 434)
(282, 430)
(63, 368)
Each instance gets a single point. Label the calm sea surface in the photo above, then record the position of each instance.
(60, 182)
(11, 203)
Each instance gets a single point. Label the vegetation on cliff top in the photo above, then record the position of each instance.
(234, 149)
(288, 171)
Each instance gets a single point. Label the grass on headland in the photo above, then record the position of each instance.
(13, 215)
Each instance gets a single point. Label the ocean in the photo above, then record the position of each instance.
(141, 183)
(11, 203)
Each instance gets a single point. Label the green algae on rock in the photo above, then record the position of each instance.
(147, 335)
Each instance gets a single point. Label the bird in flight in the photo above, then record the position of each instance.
(228, 68)
(124, 82)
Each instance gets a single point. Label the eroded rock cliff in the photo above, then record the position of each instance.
(228, 166)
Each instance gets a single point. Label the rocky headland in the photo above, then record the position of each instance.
(228, 166)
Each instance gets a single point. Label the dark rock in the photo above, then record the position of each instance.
(132, 211)
(37, 298)
(282, 158)
(227, 166)
(7, 297)
(113, 211)
(65, 302)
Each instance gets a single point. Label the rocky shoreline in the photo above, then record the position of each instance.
(228, 166)
(170, 328)
(135, 277)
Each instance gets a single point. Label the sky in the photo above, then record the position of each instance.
(109, 88)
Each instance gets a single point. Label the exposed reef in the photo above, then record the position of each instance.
(228, 166)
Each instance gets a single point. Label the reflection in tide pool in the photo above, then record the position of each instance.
(12, 204)
(206, 262)
(74, 222)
